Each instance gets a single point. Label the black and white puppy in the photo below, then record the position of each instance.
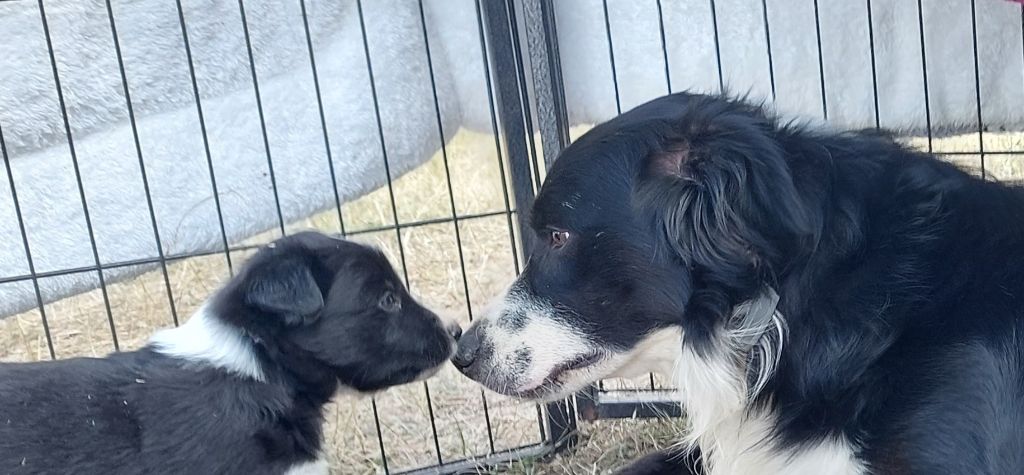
(241, 386)
(829, 303)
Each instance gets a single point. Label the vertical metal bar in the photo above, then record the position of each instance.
(433, 423)
(451, 203)
(142, 163)
(206, 139)
(924, 76)
(874, 71)
(511, 101)
(391, 197)
(26, 246)
(521, 76)
(977, 87)
(611, 56)
(548, 89)
(510, 110)
(718, 50)
(380, 435)
(484, 46)
(768, 45)
(323, 119)
(78, 173)
(821, 62)
(259, 109)
(664, 48)
(380, 135)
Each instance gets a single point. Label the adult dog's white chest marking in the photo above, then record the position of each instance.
(735, 442)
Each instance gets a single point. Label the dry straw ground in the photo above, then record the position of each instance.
(79, 324)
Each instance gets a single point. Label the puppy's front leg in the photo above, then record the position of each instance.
(666, 462)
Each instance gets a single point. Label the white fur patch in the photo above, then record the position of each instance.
(519, 325)
(734, 441)
(548, 342)
(204, 339)
(316, 467)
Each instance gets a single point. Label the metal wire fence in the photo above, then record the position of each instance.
(525, 99)
(554, 423)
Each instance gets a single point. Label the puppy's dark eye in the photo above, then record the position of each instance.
(558, 238)
(389, 302)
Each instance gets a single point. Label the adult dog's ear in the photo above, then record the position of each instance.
(720, 189)
(285, 286)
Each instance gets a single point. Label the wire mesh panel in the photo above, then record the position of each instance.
(448, 220)
(870, 64)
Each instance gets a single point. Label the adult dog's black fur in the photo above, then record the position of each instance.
(901, 284)
(240, 387)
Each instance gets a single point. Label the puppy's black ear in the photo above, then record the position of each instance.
(285, 286)
(720, 189)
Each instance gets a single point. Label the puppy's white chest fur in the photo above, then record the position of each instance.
(735, 442)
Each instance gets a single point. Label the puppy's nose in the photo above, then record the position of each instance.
(469, 346)
(454, 330)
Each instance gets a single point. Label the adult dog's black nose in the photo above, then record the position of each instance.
(469, 345)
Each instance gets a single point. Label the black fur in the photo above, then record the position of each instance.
(901, 277)
(310, 306)
(672, 462)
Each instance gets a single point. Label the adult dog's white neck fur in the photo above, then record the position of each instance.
(206, 340)
(733, 439)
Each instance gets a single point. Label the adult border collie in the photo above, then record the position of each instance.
(241, 386)
(830, 303)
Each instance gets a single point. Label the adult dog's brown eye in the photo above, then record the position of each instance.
(389, 302)
(559, 238)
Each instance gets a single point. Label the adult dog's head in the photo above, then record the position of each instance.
(651, 228)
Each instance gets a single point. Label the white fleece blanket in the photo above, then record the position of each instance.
(174, 153)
